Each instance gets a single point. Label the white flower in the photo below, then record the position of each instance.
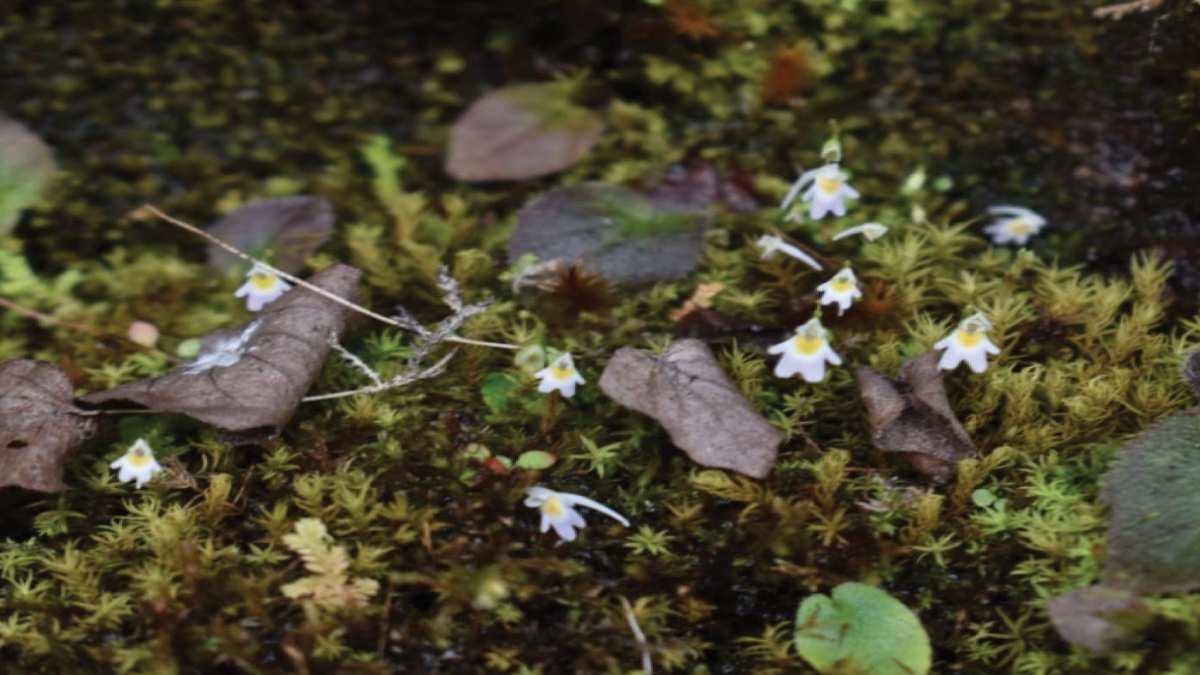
(558, 510)
(770, 243)
(869, 231)
(827, 190)
(560, 375)
(969, 342)
(1015, 225)
(842, 289)
(137, 464)
(262, 286)
(805, 352)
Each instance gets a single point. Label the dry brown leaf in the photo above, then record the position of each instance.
(521, 131)
(707, 417)
(1100, 618)
(250, 379)
(40, 428)
(290, 227)
(911, 414)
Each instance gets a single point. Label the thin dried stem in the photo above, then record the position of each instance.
(80, 328)
(300, 282)
(34, 314)
(400, 380)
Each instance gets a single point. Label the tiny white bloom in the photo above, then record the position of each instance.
(1014, 224)
(137, 464)
(770, 243)
(826, 193)
(262, 286)
(869, 231)
(842, 289)
(558, 510)
(806, 353)
(969, 342)
(560, 375)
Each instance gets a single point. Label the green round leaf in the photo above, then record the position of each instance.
(536, 459)
(861, 630)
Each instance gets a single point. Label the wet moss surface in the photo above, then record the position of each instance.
(201, 106)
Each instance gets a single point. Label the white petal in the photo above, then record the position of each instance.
(580, 500)
(564, 530)
(786, 367)
(977, 361)
(812, 370)
(950, 359)
(989, 347)
(829, 355)
(848, 191)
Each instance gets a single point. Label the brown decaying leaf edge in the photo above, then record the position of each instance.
(255, 396)
(296, 226)
(686, 391)
(40, 428)
(911, 414)
(501, 137)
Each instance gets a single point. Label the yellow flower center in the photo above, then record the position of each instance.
(968, 339)
(842, 285)
(829, 186)
(808, 345)
(552, 507)
(138, 459)
(561, 371)
(263, 282)
(1019, 226)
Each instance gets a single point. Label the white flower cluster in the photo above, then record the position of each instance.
(825, 191)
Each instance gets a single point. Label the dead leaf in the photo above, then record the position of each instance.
(290, 227)
(249, 380)
(521, 131)
(707, 417)
(697, 187)
(1153, 541)
(40, 428)
(912, 415)
(1100, 618)
(613, 231)
(26, 167)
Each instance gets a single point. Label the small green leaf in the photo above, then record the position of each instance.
(536, 459)
(861, 630)
(188, 349)
(495, 390)
(983, 497)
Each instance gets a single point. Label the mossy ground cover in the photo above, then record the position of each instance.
(200, 106)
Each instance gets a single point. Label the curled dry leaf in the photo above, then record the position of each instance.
(707, 417)
(911, 414)
(26, 167)
(1151, 489)
(249, 380)
(615, 232)
(40, 428)
(521, 131)
(1100, 618)
(290, 227)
